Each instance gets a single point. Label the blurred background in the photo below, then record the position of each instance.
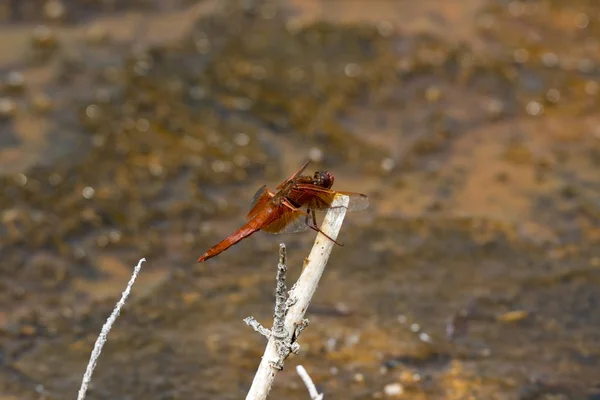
(143, 128)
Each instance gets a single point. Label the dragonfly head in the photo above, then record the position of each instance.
(323, 179)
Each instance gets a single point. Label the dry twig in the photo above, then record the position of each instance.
(87, 377)
(282, 339)
(312, 389)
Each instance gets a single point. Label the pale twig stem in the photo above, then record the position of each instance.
(299, 298)
(87, 377)
(250, 321)
(312, 389)
(281, 295)
(280, 303)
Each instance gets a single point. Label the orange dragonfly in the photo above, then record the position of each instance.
(282, 212)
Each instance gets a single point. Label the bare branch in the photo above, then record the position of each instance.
(312, 389)
(250, 321)
(281, 295)
(279, 347)
(283, 342)
(87, 377)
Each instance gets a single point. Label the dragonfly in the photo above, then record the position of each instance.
(290, 209)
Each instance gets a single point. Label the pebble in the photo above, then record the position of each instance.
(592, 87)
(27, 330)
(393, 390)
(352, 70)
(88, 192)
(15, 81)
(8, 108)
(93, 112)
(54, 10)
(433, 94)
(534, 108)
(96, 34)
(513, 316)
(521, 56)
(241, 139)
(385, 28)
(41, 102)
(44, 37)
(388, 164)
(408, 377)
(553, 95)
(494, 108)
(550, 60)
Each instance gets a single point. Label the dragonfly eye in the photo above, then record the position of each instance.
(324, 179)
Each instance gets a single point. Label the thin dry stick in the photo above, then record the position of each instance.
(299, 299)
(281, 297)
(87, 377)
(312, 389)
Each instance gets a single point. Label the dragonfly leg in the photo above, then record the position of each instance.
(314, 226)
(292, 207)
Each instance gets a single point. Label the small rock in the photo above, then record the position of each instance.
(190, 298)
(433, 94)
(44, 37)
(407, 377)
(513, 316)
(534, 108)
(358, 377)
(331, 345)
(352, 70)
(15, 81)
(27, 330)
(393, 390)
(494, 108)
(8, 108)
(42, 103)
(385, 28)
(96, 34)
(553, 95)
(388, 164)
(54, 10)
(518, 153)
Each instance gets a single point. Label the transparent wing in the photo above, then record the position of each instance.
(290, 221)
(318, 198)
(357, 201)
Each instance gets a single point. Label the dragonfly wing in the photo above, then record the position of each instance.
(357, 201)
(261, 199)
(319, 198)
(312, 196)
(302, 168)
(290, 221)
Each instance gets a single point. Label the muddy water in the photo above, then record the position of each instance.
(143, 131)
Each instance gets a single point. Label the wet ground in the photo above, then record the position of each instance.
(144, 131)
